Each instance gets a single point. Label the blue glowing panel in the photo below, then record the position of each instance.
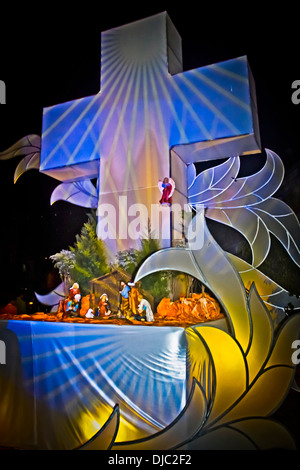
(70, 138)
(77, 372)
(213, 102)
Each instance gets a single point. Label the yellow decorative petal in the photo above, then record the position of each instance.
(229, 369)
(200, 367)
(262, 334)
(30, 162)
(224, 280)
(184, 428)
(282, 352)
(266, 434)
(263, 397)
(104, 438)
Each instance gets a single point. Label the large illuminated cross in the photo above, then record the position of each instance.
(150, 120)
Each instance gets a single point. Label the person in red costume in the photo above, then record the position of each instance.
(167, 188)
(74, 290)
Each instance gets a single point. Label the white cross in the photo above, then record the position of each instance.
(150, 120)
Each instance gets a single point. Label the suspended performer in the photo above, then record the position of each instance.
(166, 188)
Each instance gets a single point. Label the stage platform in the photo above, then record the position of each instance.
(60, 381)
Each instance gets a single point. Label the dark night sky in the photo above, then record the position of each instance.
(51, 55)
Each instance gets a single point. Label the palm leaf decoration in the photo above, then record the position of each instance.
(30, 148)
(82, 193)
(246, 205)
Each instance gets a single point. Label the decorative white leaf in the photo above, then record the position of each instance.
(273, 295)
(28, 145)
(253, 189)
(257, 222)
(246, 205)
(82, 193)
(30, 162)
(282, 222)
(213, 182)
(54, 297)
(249, 225)
(220, 187)
(191, 174)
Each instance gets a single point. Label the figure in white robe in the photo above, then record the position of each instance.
(145, 308)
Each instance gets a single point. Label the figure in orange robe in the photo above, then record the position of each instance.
(104, 306)
(133, 298)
